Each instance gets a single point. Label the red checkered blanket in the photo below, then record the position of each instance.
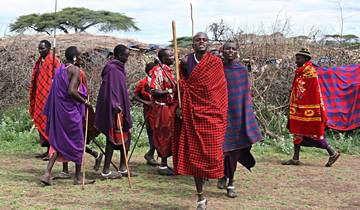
(39, 90)
(198, 149)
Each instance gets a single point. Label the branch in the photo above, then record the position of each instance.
(82, 29)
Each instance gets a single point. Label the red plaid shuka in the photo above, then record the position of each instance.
(307, 112)
(163, 110)
(198, 149)
(40, 85)
(143, 89)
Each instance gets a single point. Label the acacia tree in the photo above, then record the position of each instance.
(74, 19)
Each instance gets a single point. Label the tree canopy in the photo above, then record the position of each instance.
(74, 19)
(184, 41)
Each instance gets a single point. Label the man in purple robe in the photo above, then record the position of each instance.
(65, 111)
(242, 128)
(113, 102)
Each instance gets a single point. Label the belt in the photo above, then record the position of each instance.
(160, 103)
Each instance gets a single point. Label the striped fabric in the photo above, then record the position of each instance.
(242, 128)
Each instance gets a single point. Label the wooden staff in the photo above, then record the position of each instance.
(86, 134)
(176, 61)
(54, 47)
(123, 143)
(192, 19)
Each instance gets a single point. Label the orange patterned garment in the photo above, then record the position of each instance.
(307, 112)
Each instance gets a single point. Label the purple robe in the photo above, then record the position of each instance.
(242, 128)
(65, 118)
(113, 93)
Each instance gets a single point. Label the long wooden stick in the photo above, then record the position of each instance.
(124, 148)
(177, 68)
(86, 135)
(192, 20)
(54, 44)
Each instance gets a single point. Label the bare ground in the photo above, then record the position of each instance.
(269, 186)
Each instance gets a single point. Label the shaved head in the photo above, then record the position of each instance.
(198, 34)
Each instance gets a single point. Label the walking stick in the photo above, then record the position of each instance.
(192, 20)
(86, 134)
(123, 143)
(54, 48)
(176, 61)
(103, 152)
(137, 140)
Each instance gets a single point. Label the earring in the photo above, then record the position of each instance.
(74, 59)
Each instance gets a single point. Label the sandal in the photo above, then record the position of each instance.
(125, 173)
(80, 182)
(332, 159)
(201, 205)
(292, 162)
(62, 175)
(166, 171)
(41, 156)
(46, 180)
(150, 160)
(111, 175)
(231, 192)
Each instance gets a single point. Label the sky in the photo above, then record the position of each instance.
(154, 17)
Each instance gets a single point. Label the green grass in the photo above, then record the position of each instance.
(269, 186)
(16, 135)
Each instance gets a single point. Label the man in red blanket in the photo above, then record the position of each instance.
(142, 94)
(162, 90)
(307, 117)
(41, 80)
(198, 149)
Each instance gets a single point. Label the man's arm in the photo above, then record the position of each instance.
(160, 93)
(139, 99)
(74, 73)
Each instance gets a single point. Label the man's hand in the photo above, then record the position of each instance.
(117, 110)
(88, 104)
(178, 112)
(148, 103)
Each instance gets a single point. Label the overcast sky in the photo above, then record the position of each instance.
(253, 16)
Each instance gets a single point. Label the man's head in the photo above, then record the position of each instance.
(230, 51)
(302, 57)
(200, 42)
(44, 48)
(148, 67)
(121, 53)
(166, 56)
(72, 55)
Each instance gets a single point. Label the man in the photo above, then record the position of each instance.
(197, 150)
(162, 88)
(242, 128)
(307, 117)
(41, 80)
(65, 111)
(142, 94)
(112, 102)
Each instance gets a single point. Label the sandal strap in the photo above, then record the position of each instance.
(202, 201)
(106, 175)
(230, 187)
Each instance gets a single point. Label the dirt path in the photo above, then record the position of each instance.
(270, 186)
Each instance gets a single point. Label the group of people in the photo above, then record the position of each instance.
(207, 130)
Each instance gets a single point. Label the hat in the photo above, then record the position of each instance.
(304, 52)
